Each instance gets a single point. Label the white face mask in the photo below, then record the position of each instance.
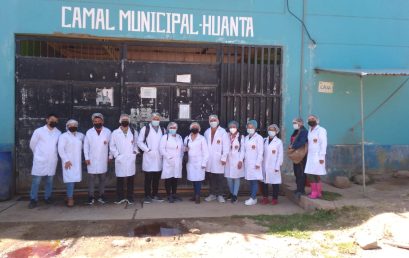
(233, 130)
(251, 131)
(296, 126)
(271, 134)
(214, 124)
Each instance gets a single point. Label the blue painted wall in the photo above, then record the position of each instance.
(349, 34)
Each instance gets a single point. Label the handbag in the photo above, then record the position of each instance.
(297, 155)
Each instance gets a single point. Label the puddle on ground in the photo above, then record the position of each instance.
(41, 250)
(158, 229)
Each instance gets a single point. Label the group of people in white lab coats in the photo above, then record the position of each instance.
(223, 155)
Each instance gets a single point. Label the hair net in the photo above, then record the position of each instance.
(97, 115)
(253, 122)
(71, 122)
(298, 120)
(275, 127)
(123, 116)
(172, 124)
(156, 114)
(233, 122)
(196, 124)
(213, 117)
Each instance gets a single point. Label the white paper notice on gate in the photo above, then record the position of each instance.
(148, 92)
(184, 78)
(326, 87)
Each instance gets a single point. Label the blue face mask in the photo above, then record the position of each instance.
(271, 134)
(172, 131)
(155, 122)
(251, 131)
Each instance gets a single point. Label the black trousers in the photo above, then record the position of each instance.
(129, 187)
(216, 183)
(276, 189)
(300, 175)
(152, 183)
(171, 185)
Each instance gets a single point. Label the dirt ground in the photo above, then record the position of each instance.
(316, 234)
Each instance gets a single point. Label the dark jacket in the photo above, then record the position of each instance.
(302, 138)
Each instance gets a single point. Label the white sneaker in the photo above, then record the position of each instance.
(250, 201)
(210, 198)
(220, 199)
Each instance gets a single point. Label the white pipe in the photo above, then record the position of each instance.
(363, 134)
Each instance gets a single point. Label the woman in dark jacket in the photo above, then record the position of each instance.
(298, 139)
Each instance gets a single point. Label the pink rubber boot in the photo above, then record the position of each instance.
(319, 190)
(314, 192)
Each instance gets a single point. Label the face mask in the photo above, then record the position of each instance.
(194, 130)
(296, 126)
(155, 122)
(312, 123)
(172, 131)
(251, 131)
(98, 126)
(124, 123)
(233, 130)
(271, 134)
(52, 124)
(72, 129)
(214, 124)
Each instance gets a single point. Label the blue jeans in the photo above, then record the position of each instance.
(253, 188)
(35, 184)
(234, 185)
(197, 186)
(70, 189)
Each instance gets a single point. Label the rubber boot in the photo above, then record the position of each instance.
(274, 202)
(264, 201)
(319, 189)
(70, 202)
(314, 193)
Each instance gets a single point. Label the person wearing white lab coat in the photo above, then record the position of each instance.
(198, 155)
(96, 151)
(219, 146)
(253, 158)
(148, 142)
(234, 169)
(69, 149)
(123, 149)
(272, 162)
(317, 150)
(171, 149)
(43, 144)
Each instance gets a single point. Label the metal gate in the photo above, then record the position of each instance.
(77, 77)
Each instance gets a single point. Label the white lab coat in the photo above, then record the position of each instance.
(70, 148)
(152, 160)
(317, 149)
(236, 154)
(43, 144)
(171, 148)
(253, 156)
(124, 149)
(198, 156)
(272, 161)
(218, 150)
(96, 150)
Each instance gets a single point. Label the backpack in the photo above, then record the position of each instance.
(147, 129)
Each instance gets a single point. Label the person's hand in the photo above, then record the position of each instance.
(321, 161)
(68, 165)
(88, 162)
(257, 167)
(223, 163)
(134, 152)
(240, 165)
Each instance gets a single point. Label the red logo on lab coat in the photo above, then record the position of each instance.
(315, 140)
(105, 142)
(236, 147)
(218, 141)
(273, 151)
(253, 147)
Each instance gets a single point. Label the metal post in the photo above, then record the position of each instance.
(363, 133)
